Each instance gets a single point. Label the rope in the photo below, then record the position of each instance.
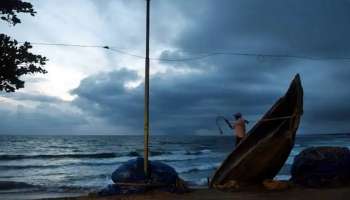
(278, 118)
(263, 120)
(225, 120)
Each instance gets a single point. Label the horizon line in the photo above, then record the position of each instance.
(174, 135)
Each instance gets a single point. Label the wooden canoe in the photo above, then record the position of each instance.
(264, 151)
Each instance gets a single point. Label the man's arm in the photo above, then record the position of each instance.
(229, 124)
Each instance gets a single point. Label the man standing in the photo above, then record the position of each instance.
(239, 127)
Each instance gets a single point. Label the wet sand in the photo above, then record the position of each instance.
(256, 194)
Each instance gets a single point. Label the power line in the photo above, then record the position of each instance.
(126, 53)
(163, 59)
(66, 45)
(197, 57)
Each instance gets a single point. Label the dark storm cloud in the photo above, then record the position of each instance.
(316, 27)
(302, 28)
(105, 94)
(222, 85)
(187, 97)
(180, 103)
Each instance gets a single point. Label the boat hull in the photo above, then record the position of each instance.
(264, 151)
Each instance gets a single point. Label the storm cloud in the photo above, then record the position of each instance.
(186, 97)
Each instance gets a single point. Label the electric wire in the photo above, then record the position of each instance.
(198, 56)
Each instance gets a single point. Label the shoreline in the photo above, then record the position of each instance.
(246, 194)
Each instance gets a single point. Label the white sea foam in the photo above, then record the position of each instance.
(205, 151)
(201, 182)
(175, 157)
(184, 156)
(202, 167)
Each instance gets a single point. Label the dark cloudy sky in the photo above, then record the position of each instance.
(95, 91)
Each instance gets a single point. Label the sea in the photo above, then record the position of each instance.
(54, 166)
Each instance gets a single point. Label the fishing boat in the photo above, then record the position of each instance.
(268, 144)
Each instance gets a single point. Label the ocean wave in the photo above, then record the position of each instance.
(139, 153)
(200, 182)
(7, 157)
(89, 178)
(12, 187)
(133, 153)
(200, 152)
(203, 167)
(9, 185)
(20, 165)
(168, 142)
(58, 156)
(158, 155)
(185, 155)
(10, 167)
(174, 158)
(70, 164)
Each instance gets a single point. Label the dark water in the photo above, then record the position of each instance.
(85, 163)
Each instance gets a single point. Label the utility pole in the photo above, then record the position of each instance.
(146, 111)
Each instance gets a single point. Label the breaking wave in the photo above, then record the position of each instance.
(49, 156)
(9, 185)
(203, 167)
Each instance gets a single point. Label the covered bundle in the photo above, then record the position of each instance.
(130, 178)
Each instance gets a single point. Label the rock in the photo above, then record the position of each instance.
(322, 167)
(275, 185)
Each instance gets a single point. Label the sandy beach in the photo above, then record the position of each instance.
(251, 194)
